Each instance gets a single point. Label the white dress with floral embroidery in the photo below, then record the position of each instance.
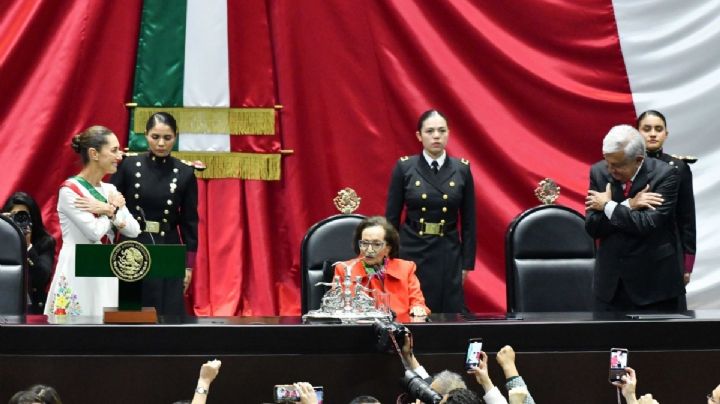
(84, 296)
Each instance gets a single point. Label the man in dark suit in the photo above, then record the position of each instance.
(630, 212)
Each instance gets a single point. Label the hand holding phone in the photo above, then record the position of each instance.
(286, 393)
(628, 384)
(618, 363)
(472, 359)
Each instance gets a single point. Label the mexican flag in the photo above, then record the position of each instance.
(190, 63)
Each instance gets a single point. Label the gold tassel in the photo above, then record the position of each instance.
(246, 166)
(235, 121)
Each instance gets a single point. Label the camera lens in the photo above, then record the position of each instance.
(419, 389)
(21, 218)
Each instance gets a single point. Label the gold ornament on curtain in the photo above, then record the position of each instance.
(235, 121)
(347, 201)
(547, 191)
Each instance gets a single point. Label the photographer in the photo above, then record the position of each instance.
(442, 383)
(41, 246)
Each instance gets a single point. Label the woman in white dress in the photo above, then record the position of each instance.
(90, 212)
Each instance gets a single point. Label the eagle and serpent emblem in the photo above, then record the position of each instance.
(130, 261)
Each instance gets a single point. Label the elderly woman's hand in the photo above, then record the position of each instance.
(418, 311)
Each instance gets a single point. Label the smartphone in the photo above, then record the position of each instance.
(618, 363)
(473, 353)
(284, 393)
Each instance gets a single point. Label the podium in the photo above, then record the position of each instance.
(131, 262)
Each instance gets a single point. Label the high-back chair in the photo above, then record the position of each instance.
(13, 269)
(326, 242)
(549, 261)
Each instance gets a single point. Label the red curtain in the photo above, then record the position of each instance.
(529, 89)
(64, 66)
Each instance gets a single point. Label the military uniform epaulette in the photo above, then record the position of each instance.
(130, 154)
(404, 158)
(465, 161)
(686, 159)
(197, 164)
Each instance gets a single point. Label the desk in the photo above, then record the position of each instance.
(560, 355)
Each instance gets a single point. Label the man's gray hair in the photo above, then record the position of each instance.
(624, 138)
(446, 381)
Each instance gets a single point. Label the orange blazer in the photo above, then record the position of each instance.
(401, 284)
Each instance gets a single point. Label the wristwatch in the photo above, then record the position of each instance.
(201, 390)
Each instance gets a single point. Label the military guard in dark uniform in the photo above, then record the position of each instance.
(161, 192)
(437, 192)
(653, 126)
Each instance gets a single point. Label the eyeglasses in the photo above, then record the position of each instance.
(365, 244)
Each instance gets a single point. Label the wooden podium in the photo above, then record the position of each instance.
(130, 262)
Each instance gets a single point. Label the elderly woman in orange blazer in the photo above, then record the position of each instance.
(377, 243)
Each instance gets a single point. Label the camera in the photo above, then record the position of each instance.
(22, 220)
(386, 331)
(419, 389)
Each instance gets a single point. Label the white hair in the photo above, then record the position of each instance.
(446, 381)
(624, 138)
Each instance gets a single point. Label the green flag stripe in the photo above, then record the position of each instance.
(161, 55)
(160, 61)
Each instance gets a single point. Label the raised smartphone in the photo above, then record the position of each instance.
(472, 359)
(283, 393)
(618, 363)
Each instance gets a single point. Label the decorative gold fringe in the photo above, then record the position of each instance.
(246, 166)
(235, 121)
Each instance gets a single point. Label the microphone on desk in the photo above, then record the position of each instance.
(142, 214)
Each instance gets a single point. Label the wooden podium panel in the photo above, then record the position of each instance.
(113, 315)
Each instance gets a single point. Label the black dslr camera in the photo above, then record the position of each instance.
(22, 220)
(414, 385)
(386, 331)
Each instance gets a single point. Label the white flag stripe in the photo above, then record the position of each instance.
(672, 58)
(206, 76)
(204, 142)
(207, 81)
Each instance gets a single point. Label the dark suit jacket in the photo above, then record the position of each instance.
(637, 247)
